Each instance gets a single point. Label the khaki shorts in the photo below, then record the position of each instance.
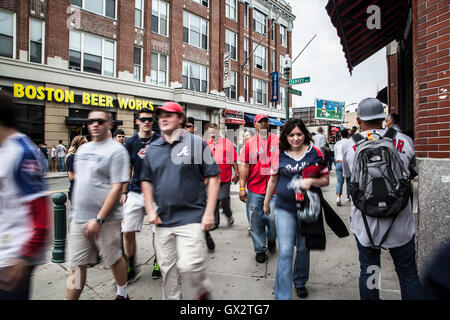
(134, 213)
(83, 251)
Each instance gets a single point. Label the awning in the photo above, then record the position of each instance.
(230, 120)
(248, 118)
(350, 18)
(382, 95)
(275, 122)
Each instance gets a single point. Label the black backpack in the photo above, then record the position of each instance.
(380, 186)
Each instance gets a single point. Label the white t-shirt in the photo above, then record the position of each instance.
(404, 226)
(61, 150)
(98, 165)
(320, 141)
(338, 149)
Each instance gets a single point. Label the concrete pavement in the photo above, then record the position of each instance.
(233, 271)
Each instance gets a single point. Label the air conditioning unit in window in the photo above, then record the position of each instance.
(74, 68)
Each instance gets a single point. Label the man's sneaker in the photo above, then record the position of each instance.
(271, 246)
(261, 257)
(230, 220)
(338, 201)
(132, 275)
(119, 297)
(209, 242)
(302, 292)
(156, 274)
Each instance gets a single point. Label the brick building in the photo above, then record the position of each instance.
(63, 58)
(417, 35)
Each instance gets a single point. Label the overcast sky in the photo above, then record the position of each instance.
(324, 60)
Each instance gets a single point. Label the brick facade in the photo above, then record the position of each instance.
(431, 45)
(392, 63)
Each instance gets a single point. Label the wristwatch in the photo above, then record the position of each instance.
(100, 221)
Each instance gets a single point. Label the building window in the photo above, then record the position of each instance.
(137, 61)
(260, 57)
(246, 53)
(260, 91)
(36, 44)
(91, 54)
(139, 13)
(246, 14)
(7, 34)
(246, 97)
(259, 22)
(159, 69)
(281, 63)
(103, 7)
(195, 76)
(202, 2)
(273, 30)
(230, 9)
(232, 90)
(195, 30)
(283, 36)
(160, 13)
(231, 43)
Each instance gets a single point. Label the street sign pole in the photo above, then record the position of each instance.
(287, 99)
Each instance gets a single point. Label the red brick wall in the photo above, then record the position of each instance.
(56, 31)
(22, 25)
(392, 62)
(431, 45)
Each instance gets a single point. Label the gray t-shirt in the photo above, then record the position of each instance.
(404, 227)
(320, 141)
(97, 166)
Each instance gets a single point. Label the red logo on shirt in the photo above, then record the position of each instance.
(31, 166)
(142, 152)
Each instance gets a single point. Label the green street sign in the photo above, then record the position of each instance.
(293, 91)
(300, 80)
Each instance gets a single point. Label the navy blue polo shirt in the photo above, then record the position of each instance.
(177, 173)
(137, 148)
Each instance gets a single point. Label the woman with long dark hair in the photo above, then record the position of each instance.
(301, 167)
(76, 143)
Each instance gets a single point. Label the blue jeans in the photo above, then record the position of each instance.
(258, 221)
(404, 258)
(340, 180)
(288, 233)
(61, 161)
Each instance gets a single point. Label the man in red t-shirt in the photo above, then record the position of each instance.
(260, 152)
(225, 155)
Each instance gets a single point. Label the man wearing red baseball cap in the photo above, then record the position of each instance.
(256, 159)
(172, 179)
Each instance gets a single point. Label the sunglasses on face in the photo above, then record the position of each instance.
(188, 125)
(99, 121)
(143, 119)
(120, 137)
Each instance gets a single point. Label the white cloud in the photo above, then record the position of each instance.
(324, 60)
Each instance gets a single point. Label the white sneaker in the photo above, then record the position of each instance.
(348, 199)
(338, 201)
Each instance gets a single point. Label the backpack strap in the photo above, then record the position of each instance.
(390, 133)
(358, 138)
(366, 225)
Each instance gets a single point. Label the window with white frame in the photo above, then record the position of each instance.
(246, 52)
(91, 53)
(137, 64)
(231, 92)
(246, 97)
(246, 14)
(259, 22)
(195, 76)
(260, 91)
(283, 36)
(195, 30)
(139, 13)
(7, 34)
(37, 31)
(202, 2)
(260, 57)
(281, 63)
(159, 67)
(273, 30)
(230, 9)
(160, 17)
(105, 8)
(231, 43)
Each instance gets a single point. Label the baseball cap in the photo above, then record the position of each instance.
(370, 109)
(260, 116)
(170, 107)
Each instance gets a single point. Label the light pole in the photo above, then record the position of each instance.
(287, 65)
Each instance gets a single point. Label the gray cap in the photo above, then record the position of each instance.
(370, 109)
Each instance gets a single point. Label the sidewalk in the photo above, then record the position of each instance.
(233, 271)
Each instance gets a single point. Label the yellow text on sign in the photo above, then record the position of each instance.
(43, 93)
(99, 100)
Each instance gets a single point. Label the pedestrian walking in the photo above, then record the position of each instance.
(395, 233)
(191, 128)
(393, 120)
(256, 158)
(299, 161)
(44, 151)
(53, 156)
(101, 167)
(172, 176)
(132, 198)
(339, 173)
(225, 156)
(61, 154)
(24, 207)
(77, 141)
(119, 136)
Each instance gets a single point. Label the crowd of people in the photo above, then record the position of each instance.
(178, 181)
